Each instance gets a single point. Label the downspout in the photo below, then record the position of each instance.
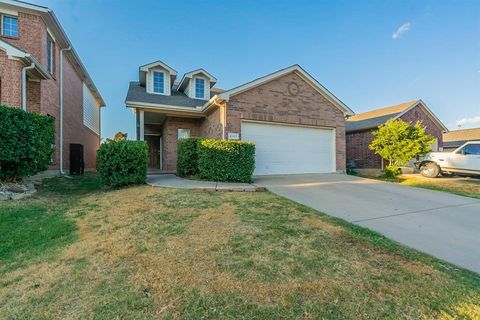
(24, 85)
(61, 108)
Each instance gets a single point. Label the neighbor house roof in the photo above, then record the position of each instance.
(61, 38)
(456, 138)
(374, 118)
(277, 74)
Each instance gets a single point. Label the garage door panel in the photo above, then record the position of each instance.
(283, 149)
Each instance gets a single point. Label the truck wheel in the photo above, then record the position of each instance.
(430, 170)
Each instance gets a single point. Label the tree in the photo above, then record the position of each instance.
(398, 142)
(119, 136)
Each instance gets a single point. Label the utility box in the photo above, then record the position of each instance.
(77, 165)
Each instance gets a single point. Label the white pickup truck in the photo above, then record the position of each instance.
(463, 161)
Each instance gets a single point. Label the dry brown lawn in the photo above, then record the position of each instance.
(149, 253)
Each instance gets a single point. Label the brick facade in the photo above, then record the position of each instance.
(44, 96)
(170, 138)
(273, 102)
(268, 102)
(358, 142)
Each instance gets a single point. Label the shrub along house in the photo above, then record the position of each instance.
(41, 72)
(297, 125)
(360, 126)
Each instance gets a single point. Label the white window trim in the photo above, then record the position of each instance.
(152, 74)
(195, 87)
(189, 133)
(1, 25)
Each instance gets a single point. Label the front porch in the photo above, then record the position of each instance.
(161, 131)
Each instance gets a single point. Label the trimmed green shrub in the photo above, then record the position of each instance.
(122, 163)
(26, 143)
(226, 160)
(187, 157)
(391, 172)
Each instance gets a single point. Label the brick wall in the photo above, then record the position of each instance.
(170, 138)
(357, 149)
(431, 127)
(10, 81)
(44, 96)
(273, 102)
(211, 126)
(358, 142)
(74, 131)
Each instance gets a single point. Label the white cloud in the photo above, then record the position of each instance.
(402, 29)
(465, 123)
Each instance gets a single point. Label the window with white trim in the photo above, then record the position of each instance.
(158, 82)
(50, 51)
(183, 134)
(10, 26)
(199, 88)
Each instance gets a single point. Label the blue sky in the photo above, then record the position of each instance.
(368, 53)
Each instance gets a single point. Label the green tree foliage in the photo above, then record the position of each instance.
(398, 142)
(122, 163)
(26, 143)
(119, 136)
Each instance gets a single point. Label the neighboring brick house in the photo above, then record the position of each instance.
(298, 126)
(360, 127)
(456, 138)
(32, 46)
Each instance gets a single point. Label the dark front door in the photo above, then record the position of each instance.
(153, 151)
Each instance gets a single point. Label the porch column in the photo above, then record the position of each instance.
(141, 116)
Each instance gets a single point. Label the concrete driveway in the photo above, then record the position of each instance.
(444, 225)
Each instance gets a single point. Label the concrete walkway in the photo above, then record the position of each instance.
(172, 181)
(444, 225)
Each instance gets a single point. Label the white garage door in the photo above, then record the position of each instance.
(284, 149)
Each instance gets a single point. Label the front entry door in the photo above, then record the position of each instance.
(153, 143)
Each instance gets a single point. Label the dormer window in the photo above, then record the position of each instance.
(199, 88)
(158, 82)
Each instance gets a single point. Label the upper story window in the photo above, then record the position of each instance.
(158, 82)
(50, 51)
(199, 88)
(10, 26)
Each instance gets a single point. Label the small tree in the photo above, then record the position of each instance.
(398, 142)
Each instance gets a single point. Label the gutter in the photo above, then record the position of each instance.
(61, 108)
(24, 85)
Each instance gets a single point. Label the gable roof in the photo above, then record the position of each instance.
(187, 76)
(277, 74)
(158, 63)
(374, 118)
(27, 59)
(61, 38)
(456, 138)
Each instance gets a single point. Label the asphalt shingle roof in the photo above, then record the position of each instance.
(456, 138)
(374, 118)
(137, 93)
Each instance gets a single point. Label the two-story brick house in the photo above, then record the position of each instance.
(298, 126)
(41, 72)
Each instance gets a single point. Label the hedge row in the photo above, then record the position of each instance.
(26, 143)
(122, 163)
(217, 160)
